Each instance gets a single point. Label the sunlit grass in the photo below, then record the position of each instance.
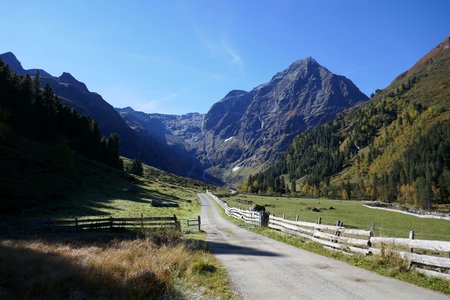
(352, 213)
(99, 267)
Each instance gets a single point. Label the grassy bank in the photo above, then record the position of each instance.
(101, 191)
(109, 266)
(388, 264)
(40, 264)
(352, 213)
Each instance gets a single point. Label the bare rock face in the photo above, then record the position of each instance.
(246, 131)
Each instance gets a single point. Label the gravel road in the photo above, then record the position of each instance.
(262, 268)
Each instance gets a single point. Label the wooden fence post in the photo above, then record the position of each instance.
(76, 223)
(411, 250)
(177, 223)
(319, 220)
(283, 216)
(142, 221)
(264, 219)
(296, 218)
(337, 232)
(199, 222)
(411, 237)
(111, 222)
(371, 234)
(372, 230)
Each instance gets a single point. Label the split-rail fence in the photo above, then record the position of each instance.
(430, 257)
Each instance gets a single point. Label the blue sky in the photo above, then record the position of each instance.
(183, 56)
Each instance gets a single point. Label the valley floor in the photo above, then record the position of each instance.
(352, 213)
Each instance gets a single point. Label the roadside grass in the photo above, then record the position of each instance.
(109, 266)
(388, 264)
(352, 213)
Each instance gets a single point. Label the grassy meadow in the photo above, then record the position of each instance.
(352, 213)
(104, 192)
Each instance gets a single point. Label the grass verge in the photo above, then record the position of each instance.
(109, 266)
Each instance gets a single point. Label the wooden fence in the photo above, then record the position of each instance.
(115, 223)
(197, 222)
(248, 216)
(431, 257)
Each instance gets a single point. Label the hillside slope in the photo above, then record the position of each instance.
(134, 143)
(51, 157)
(395, 147)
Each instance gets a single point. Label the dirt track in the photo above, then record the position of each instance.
(261, 268)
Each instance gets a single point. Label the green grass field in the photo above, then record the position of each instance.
(352, 213)
(104, 192)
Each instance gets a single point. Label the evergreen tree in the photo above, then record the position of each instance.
(136, 168)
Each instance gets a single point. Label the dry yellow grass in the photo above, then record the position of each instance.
(108, 268)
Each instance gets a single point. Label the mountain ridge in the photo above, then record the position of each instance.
(242, 133)
(246, 129)
(134, 143)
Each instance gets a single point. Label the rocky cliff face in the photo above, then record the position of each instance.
(246, 131)
(249, 130)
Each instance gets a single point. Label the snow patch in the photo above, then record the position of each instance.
(236, 168)
(226, 140)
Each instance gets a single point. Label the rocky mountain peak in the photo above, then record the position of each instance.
(127, 109)
(234, 93)
(11, 60)
(250, 129)
(14, 64)
(69, 79)
(302, 68)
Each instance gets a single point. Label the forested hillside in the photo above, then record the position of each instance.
(396, 147)
(41, 141)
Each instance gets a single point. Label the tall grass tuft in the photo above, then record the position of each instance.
(152, 267)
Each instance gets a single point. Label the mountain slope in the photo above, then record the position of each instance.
(248, 130)
(43, 144)
(394, 147)
(135, 144)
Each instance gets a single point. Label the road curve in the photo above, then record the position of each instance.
(262, 268)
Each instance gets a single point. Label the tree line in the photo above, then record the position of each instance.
(36, 113)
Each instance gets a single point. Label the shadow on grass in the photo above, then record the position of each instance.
(32, 187)
(95, 202)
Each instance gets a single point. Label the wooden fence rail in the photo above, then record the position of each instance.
(114, 223)
(434, 259)
(251, 217)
